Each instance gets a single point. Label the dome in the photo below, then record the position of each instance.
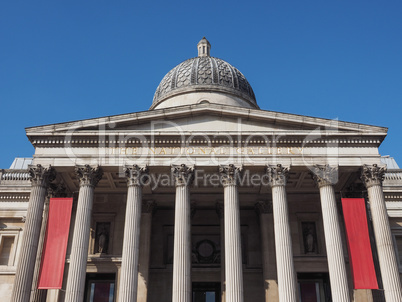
(204, 79)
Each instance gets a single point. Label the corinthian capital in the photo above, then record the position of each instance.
(372, 175)
(263, 207)
(41, 176)
(136, 176)
(56, 190)
(230, 174)
(325, 175)
(148, 206)
(277, 175)
(88, 176)
(183, 174)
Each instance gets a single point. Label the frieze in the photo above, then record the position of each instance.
(206, 151)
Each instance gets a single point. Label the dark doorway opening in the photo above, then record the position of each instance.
(206, 292)
(314, 287)
(100, 288)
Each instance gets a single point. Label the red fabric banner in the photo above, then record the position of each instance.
(55, 244)
(361, 257)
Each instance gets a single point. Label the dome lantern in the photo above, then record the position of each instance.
(204, 48)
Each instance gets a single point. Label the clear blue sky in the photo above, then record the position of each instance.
(71, 60)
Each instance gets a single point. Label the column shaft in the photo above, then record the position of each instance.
(386, 253)
(182, 247)
(29, 247)
(283, 246)
(181, 291)
(88, 178)
(233, 255)
(129, 266)
(40, 178)
(79, 249)
(333, 243)
(219, 209)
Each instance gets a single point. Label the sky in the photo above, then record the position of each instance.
(70, 60)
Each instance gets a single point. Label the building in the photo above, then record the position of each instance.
(204, 197)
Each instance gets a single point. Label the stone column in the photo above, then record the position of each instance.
(128, 282)
(220, 212)
(264, 211)
(182, 235)
(372, 176)
(88, 178)
(145, 250)
(325, 177)
(277, 176)
(39, 295)
(233, 256)
(40, 179)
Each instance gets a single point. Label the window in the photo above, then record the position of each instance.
(398, 246)
(8, 242)
(7, 245)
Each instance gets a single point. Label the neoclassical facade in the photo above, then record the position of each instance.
(203, 198)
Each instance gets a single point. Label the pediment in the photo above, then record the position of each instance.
(208, 118)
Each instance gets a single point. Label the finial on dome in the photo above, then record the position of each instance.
(204, 48)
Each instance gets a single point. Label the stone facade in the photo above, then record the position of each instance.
(210, 200)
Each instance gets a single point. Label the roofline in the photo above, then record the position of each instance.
(171, 111)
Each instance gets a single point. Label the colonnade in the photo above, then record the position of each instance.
(325, 177)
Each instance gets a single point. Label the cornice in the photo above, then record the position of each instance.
(14, 198)
(215, 109)
(168, 139)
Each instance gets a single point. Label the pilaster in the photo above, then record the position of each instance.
(220, 212)
(148, 208)
(265, 213)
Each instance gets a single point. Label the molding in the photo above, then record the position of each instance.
(211, 108)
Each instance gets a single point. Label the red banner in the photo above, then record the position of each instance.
(55, 244)
(361, 257)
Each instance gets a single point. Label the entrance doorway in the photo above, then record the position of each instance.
(206, 292)
(100, 288)
(314, 287)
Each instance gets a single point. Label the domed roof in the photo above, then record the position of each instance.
(204, 74)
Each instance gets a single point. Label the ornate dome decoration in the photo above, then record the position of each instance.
(204, 74)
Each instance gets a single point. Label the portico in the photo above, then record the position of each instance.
(287, 261)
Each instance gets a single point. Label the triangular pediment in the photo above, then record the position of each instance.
(207, 118)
